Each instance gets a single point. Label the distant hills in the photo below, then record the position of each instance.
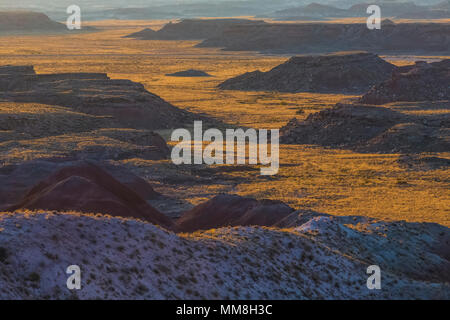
(408, 10)
(302, 38)
(278, 9)
(28, 22)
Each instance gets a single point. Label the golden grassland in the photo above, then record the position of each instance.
(332, 181)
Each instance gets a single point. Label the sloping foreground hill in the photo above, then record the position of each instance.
(128, 102)
(88, 188)
(344, 72)
(19, 179)
(325, 257)
(327, 37)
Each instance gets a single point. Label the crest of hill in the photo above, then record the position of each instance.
(85, 187)
(345, 72)
(192, 29)
(128, 102)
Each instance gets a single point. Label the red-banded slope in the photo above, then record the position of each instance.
(89, 189)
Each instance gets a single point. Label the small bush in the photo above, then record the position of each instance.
(34, 277)
(3, 255)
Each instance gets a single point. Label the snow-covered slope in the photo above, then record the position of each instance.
(326, 257)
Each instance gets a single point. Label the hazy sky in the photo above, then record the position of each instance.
(49, 5)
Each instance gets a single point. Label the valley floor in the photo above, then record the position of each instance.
(337, 182)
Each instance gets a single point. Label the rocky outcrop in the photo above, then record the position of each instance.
(423, 163)
(354, 72)
(127, 102)
(410, 138)
(370, 129)
(342, 125)
(421, 82)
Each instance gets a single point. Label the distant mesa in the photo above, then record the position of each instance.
(89, 189)
(306, 38)
(28, 22)
(420, 82)
(192, 29)
(143, 34)
(128, 102)
(189, 73)
(316, 37)
(347, 72)
(387, 22)
(233, 210)
(310, 11)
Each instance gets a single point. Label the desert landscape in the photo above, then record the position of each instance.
(87, 178)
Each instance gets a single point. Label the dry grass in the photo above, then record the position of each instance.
(332, 181)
